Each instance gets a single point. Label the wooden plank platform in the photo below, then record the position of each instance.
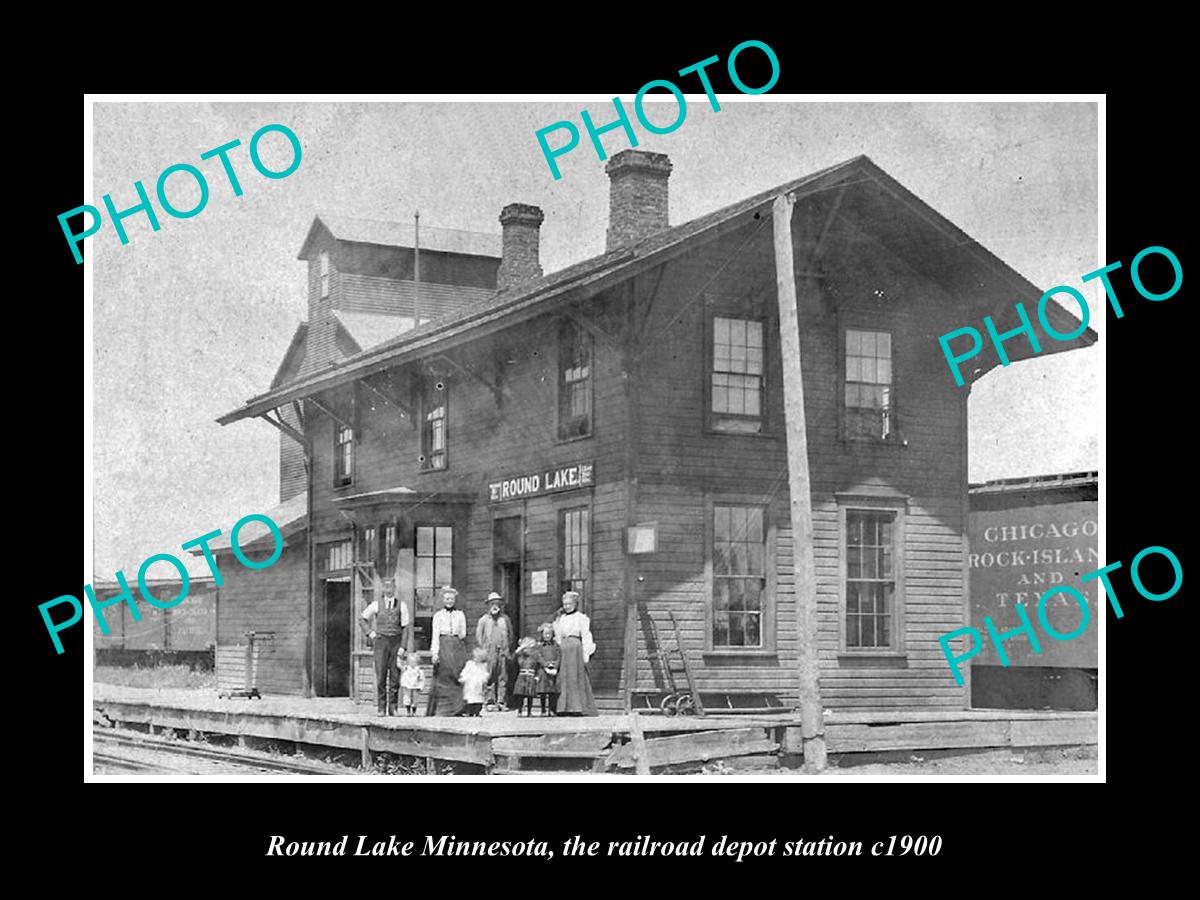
(701, 746)
(505, 742)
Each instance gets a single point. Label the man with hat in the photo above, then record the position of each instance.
(494, 633)
(388, 634)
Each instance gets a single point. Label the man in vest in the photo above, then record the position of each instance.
(389, 632)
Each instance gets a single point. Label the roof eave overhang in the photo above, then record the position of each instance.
(415, 498)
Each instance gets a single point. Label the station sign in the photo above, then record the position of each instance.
(547, 481)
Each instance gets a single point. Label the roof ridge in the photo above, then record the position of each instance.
(397, 222)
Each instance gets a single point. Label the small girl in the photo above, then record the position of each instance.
(412, 680)
(546, 657)
(525, 686)
(474, 679)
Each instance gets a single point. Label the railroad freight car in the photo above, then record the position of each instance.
(1028, 535)
(184, 634)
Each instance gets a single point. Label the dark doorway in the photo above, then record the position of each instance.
(507, 544)
(337, 639)
(508, 585)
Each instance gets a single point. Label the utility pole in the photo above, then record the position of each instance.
(812, 725)
(417, 269)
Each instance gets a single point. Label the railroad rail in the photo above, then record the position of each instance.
(108, 744)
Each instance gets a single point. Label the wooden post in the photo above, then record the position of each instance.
(638, 739)
(630, 359)
(964, 486)
(367, 759)
(812, 726)
(307, 674)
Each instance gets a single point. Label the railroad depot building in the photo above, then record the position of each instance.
(453, 415)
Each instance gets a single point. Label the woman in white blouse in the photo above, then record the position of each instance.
(573, 633)
(449, 651)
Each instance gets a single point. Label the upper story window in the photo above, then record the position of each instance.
(433, 425)
(343, 455)
(736, 395)
(869, 396)
(323, 265)
(574, 381)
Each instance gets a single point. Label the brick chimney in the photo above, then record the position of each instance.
(519, 262)
(637, 194)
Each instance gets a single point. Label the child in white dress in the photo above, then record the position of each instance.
(412, 680)
(474, 679)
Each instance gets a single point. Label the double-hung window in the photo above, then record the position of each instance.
(736, 375)
(740, 600)
(574, 381)
(343, 454)
(870, 406)
(434, 408)
(434, 560)
(873, 602)
(575, 541)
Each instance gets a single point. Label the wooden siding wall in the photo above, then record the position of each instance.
(488, 441)
(375, 294)
(396, 263)
(681, 464)
(273, 599)
(292, 477)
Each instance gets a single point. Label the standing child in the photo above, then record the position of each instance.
(525, 687)
(474, 679)
(412, 681)
(546, 657)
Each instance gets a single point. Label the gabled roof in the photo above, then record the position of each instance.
(1037, 483)
(585, 279)
(293, 359)
(290, 516)
(371, 329)
(400, 234)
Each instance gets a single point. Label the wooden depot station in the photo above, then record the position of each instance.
(744, 421)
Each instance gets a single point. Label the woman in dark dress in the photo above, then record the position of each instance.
(449, 650)
(525, 686)
(573, 632)
(546, 657)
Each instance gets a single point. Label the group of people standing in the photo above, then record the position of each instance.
(551, 667)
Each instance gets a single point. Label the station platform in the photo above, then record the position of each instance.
(502, 741)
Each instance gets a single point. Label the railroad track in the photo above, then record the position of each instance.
(107, 761)
(128, 752)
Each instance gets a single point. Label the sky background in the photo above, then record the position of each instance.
(192, 320)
